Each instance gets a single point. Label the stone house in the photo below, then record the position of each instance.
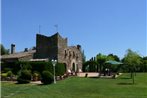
(48, 48)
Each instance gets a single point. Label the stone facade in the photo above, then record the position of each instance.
(55, 47)
(48, 48)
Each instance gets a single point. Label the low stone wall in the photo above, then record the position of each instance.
(89, 74)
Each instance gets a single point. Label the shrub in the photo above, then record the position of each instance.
(3, 76)
(60, 69)
(47, 77)
(25, 77)
(9, 73)
(36, 76)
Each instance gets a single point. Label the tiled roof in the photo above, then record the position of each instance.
(18, 55)
(39, 59)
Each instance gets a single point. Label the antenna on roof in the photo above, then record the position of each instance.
(56, 26)
(39, 28)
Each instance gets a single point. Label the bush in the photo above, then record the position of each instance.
(4, 76)
(9, 74)
(60, 69)
(36, 76)
(25, 77)
(47, 77)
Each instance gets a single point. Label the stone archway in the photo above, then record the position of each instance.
(73, 66)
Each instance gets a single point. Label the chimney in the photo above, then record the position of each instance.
(79, 47)
(12, 48)
(26, 50)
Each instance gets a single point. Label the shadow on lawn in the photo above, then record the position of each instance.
(100, 77)
(20, 83)
(93, 77)
(125, 78)
(123, 83)
(44, 84)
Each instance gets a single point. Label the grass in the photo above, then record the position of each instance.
(75, 87)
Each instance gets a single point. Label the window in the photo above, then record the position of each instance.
(73, 54)
(65, 54)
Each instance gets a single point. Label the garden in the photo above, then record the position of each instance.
(24, 72)
(75, 87)
(17, 79)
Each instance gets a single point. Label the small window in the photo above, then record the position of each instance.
(77, 56)
(65, 54)
(73, 54)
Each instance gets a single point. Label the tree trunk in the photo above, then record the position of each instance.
(133, 78)
(131, 74)
(100, 71)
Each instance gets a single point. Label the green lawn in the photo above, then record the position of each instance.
(75, 87)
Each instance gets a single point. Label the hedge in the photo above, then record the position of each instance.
(60, 69)
(15, 67)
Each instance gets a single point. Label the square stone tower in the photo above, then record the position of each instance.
(55, 47)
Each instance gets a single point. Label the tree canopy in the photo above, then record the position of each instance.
(132, 58)
(3, 50)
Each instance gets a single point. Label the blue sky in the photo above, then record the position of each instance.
(100, 26)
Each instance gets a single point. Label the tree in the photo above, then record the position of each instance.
(101, 59)
(144, 58)
(90, 66)
(132, 59)
(83, 57)
(3, 50)
(113, 57)
(143, 67)
(113, 67)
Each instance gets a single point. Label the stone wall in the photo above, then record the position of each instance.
(46, 47)
(75, 57)
(71, 55)
(62, 45)
(55, 47)
(52, 47)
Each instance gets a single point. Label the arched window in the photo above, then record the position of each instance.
(65, 53)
